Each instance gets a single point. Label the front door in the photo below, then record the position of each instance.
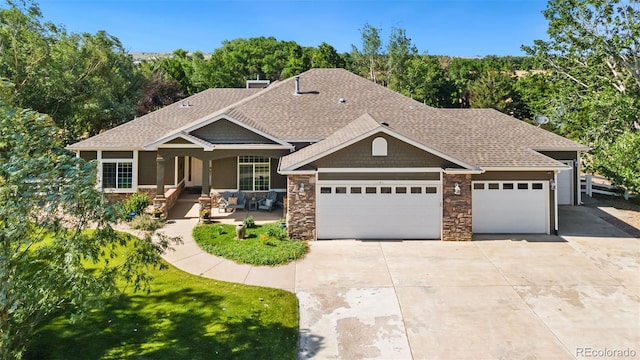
(194, 172)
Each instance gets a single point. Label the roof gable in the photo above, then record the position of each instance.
(363, 127)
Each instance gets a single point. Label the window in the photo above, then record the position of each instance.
(478, 186)
(507, 186)
(341, 190)
(431, 190)
(117, 175)
(371, 190)
(379, 147)
(385, 190)
(356, 190)
(325, 190)
(523, 186)
(254, 173)
(536, 186)
(416, 190)
(494, 186)
(401, 190)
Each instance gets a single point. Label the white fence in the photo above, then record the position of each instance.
(593, 184)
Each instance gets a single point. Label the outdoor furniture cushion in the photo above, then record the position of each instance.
(233, 201)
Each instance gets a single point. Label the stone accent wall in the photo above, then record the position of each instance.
(456, 209)
(301, 207)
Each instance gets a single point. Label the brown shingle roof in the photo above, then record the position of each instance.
(330, 100)
(148, 128)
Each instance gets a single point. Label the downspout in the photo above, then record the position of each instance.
(579, 176)
(555, 201)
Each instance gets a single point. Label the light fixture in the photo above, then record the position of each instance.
(456, 189)
(552, 184)
(301, 188)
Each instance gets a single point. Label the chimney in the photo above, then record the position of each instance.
(297, 92)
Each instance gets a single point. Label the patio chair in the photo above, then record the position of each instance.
(268, 203)
(229, 200)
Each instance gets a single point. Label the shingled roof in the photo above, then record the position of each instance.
(328, 102)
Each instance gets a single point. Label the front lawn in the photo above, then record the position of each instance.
(183, 317)
(263, 245)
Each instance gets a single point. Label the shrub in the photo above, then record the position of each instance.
(248, 222)
(145, 222)
(274, 230)
(136, 203)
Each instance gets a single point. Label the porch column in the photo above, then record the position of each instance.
(159, 176)
(205, 178)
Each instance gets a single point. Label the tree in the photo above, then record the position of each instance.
(85, 82)
(326, 56)
(48, 200)
(370, 57)
(400, 52)
(593, 56)
(493, 90)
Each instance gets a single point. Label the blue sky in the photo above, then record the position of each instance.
(439, 27)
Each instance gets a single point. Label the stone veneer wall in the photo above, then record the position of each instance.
(456, 210)
(301, 209)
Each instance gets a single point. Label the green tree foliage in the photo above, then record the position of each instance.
(496, 90)
(593, 59)
(48, 200)
(85, 82)
(326, 56)
(368, 61)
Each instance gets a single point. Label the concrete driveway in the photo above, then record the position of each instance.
(530, 297)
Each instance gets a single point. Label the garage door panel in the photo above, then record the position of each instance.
(510, 210)
(378, 215)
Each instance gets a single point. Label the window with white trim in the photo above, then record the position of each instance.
(254, 173)
(117, 174)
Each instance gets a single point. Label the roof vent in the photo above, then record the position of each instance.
(342, 100)
(185, 104)
(384, 123)
(297, 91)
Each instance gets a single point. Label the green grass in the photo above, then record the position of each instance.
(183, 317)
(264, 244)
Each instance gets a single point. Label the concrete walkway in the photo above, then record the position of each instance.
(498, 297)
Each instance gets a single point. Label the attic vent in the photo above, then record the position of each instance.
(185, 104)
(297, 90)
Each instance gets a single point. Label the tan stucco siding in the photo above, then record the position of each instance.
(561, 155)
(513, 175)
(399, 154)
(224, 173)
(117, 154)
(146, 168)
(226, 132)
(379, 176)
(89, 155)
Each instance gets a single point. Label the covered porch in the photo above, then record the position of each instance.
(211, 172)
(187, 206)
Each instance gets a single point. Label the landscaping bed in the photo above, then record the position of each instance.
(263, 244)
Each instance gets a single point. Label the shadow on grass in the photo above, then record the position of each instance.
(184, 324)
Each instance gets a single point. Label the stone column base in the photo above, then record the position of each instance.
(204, 205)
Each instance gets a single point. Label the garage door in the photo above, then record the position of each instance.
(360, 210)
(510, 207)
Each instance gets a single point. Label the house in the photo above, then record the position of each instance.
(354, 159)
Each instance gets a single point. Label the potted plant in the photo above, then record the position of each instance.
(205, 215)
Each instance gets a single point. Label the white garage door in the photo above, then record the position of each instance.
(518, 207)
(361, 210)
